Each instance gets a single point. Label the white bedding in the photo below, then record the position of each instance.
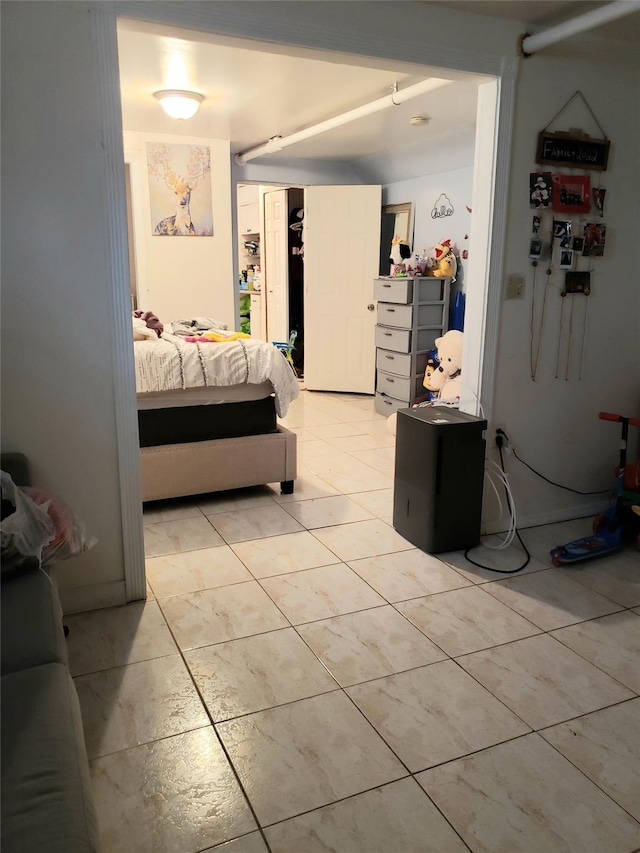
(211, 396)
(171, 364)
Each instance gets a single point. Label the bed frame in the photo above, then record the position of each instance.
(199, 467)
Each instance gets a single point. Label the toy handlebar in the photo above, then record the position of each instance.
(607, 416)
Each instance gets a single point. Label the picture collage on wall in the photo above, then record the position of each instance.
(566, 195)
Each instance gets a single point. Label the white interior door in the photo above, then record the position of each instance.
(341, 258)
(276, 271)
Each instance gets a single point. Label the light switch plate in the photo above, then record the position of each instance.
(515, 287)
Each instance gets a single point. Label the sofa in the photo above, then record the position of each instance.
(47, 802)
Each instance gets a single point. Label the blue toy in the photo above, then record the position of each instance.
(621, 518)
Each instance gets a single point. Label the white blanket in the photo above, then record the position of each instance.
(170, 364)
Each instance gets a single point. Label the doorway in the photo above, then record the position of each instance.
(489, 187)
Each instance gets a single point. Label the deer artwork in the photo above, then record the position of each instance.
(197, 166)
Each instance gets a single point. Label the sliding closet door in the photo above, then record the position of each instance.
(341, 258)
(276, 264)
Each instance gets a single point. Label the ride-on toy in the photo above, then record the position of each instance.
(622, 517)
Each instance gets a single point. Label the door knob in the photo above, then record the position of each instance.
(371, 307)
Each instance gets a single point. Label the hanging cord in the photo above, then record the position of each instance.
(534, 264)
(534, 361)
(395, 92)
(559, 338)
(584, 333)
(566, 369)
(501, 433)
(562, 109)
(499, 442)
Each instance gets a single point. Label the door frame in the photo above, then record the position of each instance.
(231, 19)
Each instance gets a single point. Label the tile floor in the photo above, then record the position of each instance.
(302, 680)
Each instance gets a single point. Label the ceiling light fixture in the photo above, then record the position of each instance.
(179, 104)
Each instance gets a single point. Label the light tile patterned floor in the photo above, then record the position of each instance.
(302, 680)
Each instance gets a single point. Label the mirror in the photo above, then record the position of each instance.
(403, 219)
(397, 219)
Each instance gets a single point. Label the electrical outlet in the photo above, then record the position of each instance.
(515, 287)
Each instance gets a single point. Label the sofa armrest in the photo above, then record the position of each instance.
(17, 466)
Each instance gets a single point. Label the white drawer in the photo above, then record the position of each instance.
(401, 289)
(400, 363)
(400, 387)
(388, 405)
(401, 316)
(400, 339)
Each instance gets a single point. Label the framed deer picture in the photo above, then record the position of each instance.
(180, 190)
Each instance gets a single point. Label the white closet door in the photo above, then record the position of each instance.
(276, 271)
(341, 258)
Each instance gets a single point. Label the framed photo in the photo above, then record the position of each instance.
(180, 190)
(566, 259)
(540, 190)
(536, 224)
(561, 229)
(535, 249)
(572, 193)
(577, 244)
(594, 239)
(577, 282)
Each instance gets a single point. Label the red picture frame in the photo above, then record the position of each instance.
(572, 193)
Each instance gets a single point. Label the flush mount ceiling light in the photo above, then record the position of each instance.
(179, 104)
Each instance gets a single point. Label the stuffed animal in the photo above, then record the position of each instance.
(432, 377)
(449, 348)
(446, 263)
(433, 382)
(400, 254)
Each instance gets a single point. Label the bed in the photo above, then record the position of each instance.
(207, 415)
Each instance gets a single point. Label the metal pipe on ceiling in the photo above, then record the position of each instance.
(580, 24)
(397, 97)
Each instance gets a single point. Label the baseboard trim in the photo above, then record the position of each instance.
(549, 517)
(80, 598)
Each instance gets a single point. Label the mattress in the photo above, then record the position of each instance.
(204, 396)
(180, 425)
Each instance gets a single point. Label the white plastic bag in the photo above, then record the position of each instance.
(29, 528)
(42, 526)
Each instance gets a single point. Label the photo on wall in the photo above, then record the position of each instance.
(180, 190)
(594, 239)
(535, 249)
(566, 259)
(540, 190)
(562, 231)
(571, 193)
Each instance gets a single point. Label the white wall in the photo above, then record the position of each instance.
(424, 192)
(184, 276)
(554, 423)
(57, 369)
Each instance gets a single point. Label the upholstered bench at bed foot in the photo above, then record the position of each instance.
(199, 467)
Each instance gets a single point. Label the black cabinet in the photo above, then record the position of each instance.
(439, 472)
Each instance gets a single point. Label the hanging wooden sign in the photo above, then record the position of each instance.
(567, 149)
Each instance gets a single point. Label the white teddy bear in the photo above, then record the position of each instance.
(449, 348)
(446, 377)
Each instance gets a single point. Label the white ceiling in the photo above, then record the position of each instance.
(252, 94)
(254, 90)
(547, 13)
